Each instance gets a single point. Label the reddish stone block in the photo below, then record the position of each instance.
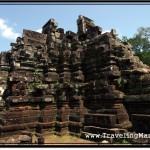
(103, 120)
(141, 123)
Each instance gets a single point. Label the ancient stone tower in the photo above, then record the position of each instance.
(73, 83)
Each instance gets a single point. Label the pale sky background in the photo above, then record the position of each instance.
(124, 18)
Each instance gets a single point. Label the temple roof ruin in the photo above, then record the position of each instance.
(75, 83)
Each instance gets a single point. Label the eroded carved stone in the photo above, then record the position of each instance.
(68, 82)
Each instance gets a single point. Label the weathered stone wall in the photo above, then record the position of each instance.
(72, 83)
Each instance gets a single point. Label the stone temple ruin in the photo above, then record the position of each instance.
(56, 82)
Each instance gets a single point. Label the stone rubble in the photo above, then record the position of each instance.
(62, 82)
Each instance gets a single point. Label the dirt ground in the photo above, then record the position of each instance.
(64, 140)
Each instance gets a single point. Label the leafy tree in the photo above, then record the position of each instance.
(140, 44)
(144, 57)
(144, 32)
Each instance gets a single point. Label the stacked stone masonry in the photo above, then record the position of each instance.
(77, 83)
